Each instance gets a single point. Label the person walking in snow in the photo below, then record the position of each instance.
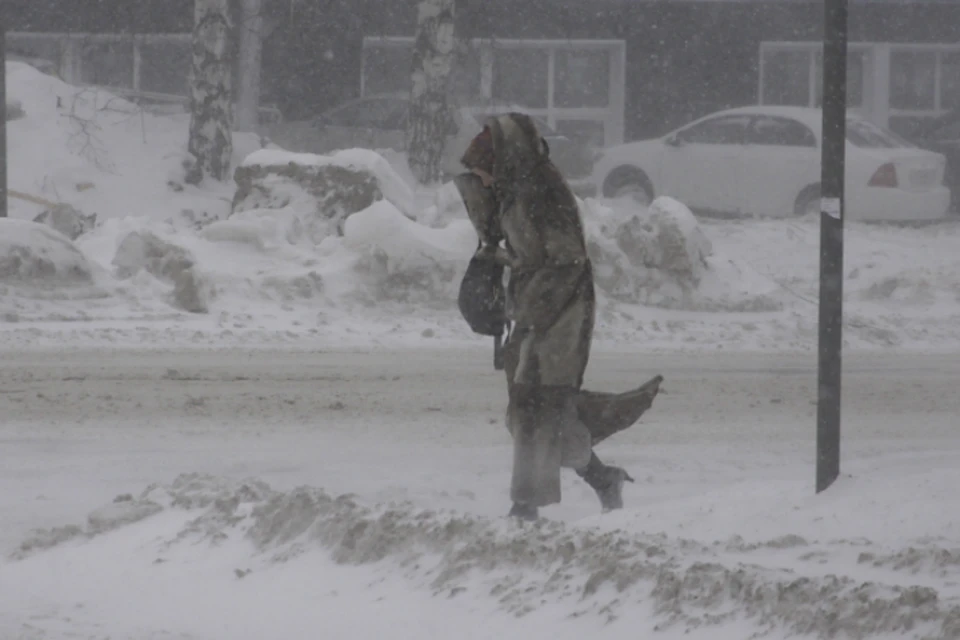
(551, 303)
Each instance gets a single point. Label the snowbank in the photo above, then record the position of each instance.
(352, 202)
(35, 255)
(407, 261)
(103, 155)
(140, 251)
(661, 257)
(269, 256)
(684, 586)
(44, 276)
(67, 220)
(319, 175)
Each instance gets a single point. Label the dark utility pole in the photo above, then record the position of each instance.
(3, 125)
(831, 241)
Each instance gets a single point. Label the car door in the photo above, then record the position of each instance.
(701, 164)
(780, 158)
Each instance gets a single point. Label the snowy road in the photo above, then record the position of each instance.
(726, 451)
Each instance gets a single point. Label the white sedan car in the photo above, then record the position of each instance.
(765, 161)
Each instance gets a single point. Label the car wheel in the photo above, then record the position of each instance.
(808, 202)
(629, 182)
(637, 193)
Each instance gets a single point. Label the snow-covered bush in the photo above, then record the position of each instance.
(660, 257)
(165, 261)
(67, 220)
(406, 261)
(322, 190)
(33, 254)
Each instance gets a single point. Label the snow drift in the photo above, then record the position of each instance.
(103, 155)
(322, 190)
(656, 257)
(35, 255)
(277, 252)
(593, 573)
(661, 257)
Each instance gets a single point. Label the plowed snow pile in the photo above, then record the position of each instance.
(343, 250)
(682, 585)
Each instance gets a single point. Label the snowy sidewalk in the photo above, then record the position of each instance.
(722, 536)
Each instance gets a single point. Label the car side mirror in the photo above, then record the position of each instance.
(674, 141)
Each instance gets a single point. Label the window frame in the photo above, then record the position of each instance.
(354, 105)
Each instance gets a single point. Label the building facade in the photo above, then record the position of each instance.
(681, 58)
(896, 85)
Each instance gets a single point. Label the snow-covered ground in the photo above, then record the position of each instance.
(361, 495)
(238, 426)
(262, 277)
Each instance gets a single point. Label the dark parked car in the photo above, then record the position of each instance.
(943, 136)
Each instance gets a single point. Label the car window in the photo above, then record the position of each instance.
(720, 130)
(780, 132)
(867, 135)
(375, 113)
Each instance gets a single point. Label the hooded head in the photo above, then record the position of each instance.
(509, 148)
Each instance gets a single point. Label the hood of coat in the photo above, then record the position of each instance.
(518, 147)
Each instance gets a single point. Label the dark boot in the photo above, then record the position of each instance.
(607, 481)
(524, 512)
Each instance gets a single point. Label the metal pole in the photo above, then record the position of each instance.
(831, 241)
(3, 125)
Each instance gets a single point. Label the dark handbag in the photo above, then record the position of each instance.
(482, 302)
(482, 299)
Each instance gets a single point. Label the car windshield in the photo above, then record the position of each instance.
(870, 136)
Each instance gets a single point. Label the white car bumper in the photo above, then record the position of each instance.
(880, 204)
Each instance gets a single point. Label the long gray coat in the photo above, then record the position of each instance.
(550, 300)
(603, 413)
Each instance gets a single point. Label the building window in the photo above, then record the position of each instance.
(913, 80)
(107, 64)
(786, 78)
(578, 82)
(950, 80)
(387, 69)
(165, 67)
(855, 69)
(582, 78)
(520, 77)
(42, 52)
(466, 83)
(589, 133)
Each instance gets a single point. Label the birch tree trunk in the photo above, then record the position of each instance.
(211, 97)
(430, 119)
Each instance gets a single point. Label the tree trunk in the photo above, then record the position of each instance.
(211, 98)
(430, 119)
(3, 125)
(250, 34)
